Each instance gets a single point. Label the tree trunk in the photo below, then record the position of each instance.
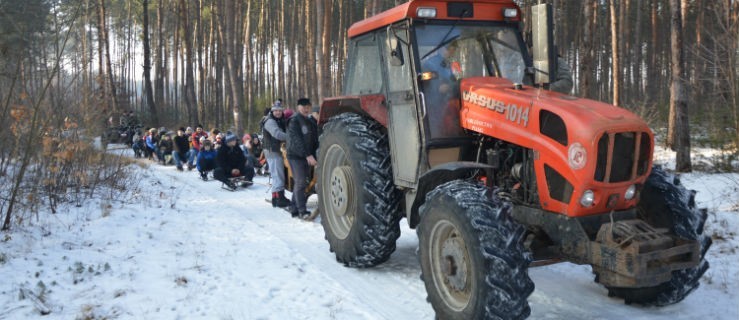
(587, 61)
(320, 13)
(160, 73)
(201, 69)
(101, 65)
(679, 128)
(325, 79)
(147, 67)
(109, 66)
(189, 61)
(248, 86)
(231, 64)
(615, 70)
(637, 54)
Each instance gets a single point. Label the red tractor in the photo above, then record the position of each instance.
(448, 120)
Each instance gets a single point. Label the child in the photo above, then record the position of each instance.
(165, 150)
(206, 159)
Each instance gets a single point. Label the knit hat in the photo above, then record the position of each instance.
(277, 106)
(231, 137)
(304, 102)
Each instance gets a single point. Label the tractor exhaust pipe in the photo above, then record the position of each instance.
(545, 55)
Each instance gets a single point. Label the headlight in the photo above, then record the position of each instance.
(630, 192)
(587, 199)
(577, 156)
(509, 13)
(426, 12)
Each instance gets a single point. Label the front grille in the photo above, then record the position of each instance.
(619, 159)
(559, 188)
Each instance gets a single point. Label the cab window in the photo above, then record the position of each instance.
(365, 73)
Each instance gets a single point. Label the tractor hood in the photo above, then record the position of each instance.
(498, 103)
(585, 144)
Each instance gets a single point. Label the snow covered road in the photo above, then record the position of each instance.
(191, 250)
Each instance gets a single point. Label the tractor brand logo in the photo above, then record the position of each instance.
(512, 112)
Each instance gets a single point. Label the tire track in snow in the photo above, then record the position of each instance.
(390, 291)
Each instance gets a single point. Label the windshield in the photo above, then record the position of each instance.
(454, 52)
(473, 51)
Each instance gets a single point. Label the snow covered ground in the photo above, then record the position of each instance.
(187, 249)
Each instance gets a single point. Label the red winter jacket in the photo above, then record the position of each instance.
(196, 139)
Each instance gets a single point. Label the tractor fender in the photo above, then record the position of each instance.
(438, 176)
(372, 106)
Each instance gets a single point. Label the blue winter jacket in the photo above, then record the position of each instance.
(151, 143)
(206, 160)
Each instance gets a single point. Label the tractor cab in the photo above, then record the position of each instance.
(413, 59)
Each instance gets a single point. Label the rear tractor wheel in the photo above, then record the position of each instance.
(358, 202)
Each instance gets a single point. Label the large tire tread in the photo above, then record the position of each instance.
(498, 241)
(377, 226)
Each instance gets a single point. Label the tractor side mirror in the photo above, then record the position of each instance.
(543, 43)
(396, 51)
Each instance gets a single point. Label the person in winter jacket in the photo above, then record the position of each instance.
(246, 148)
(273, 130)
(199, 133)
(192, 153)
(181, 148)
(206, 161)
(138, 144)
(166, 147)
(231, 162)
(254, 147)
(217, 137)
(302, 143)
(151, 144)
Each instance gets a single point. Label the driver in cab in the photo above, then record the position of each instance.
(442, 91)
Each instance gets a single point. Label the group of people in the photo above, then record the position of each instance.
(300, 133)
(228, 157)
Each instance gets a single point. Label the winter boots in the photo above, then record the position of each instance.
(279, 200)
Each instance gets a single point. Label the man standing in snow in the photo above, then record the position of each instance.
(302, 143)
(231, 162)
(273, 130)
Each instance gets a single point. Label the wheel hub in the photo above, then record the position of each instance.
(340, 189)
(454, 265)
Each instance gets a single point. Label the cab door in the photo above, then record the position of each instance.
(403, 118)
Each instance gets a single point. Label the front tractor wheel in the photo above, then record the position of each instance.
(473, 262)
(665, 203)
(358, 202)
